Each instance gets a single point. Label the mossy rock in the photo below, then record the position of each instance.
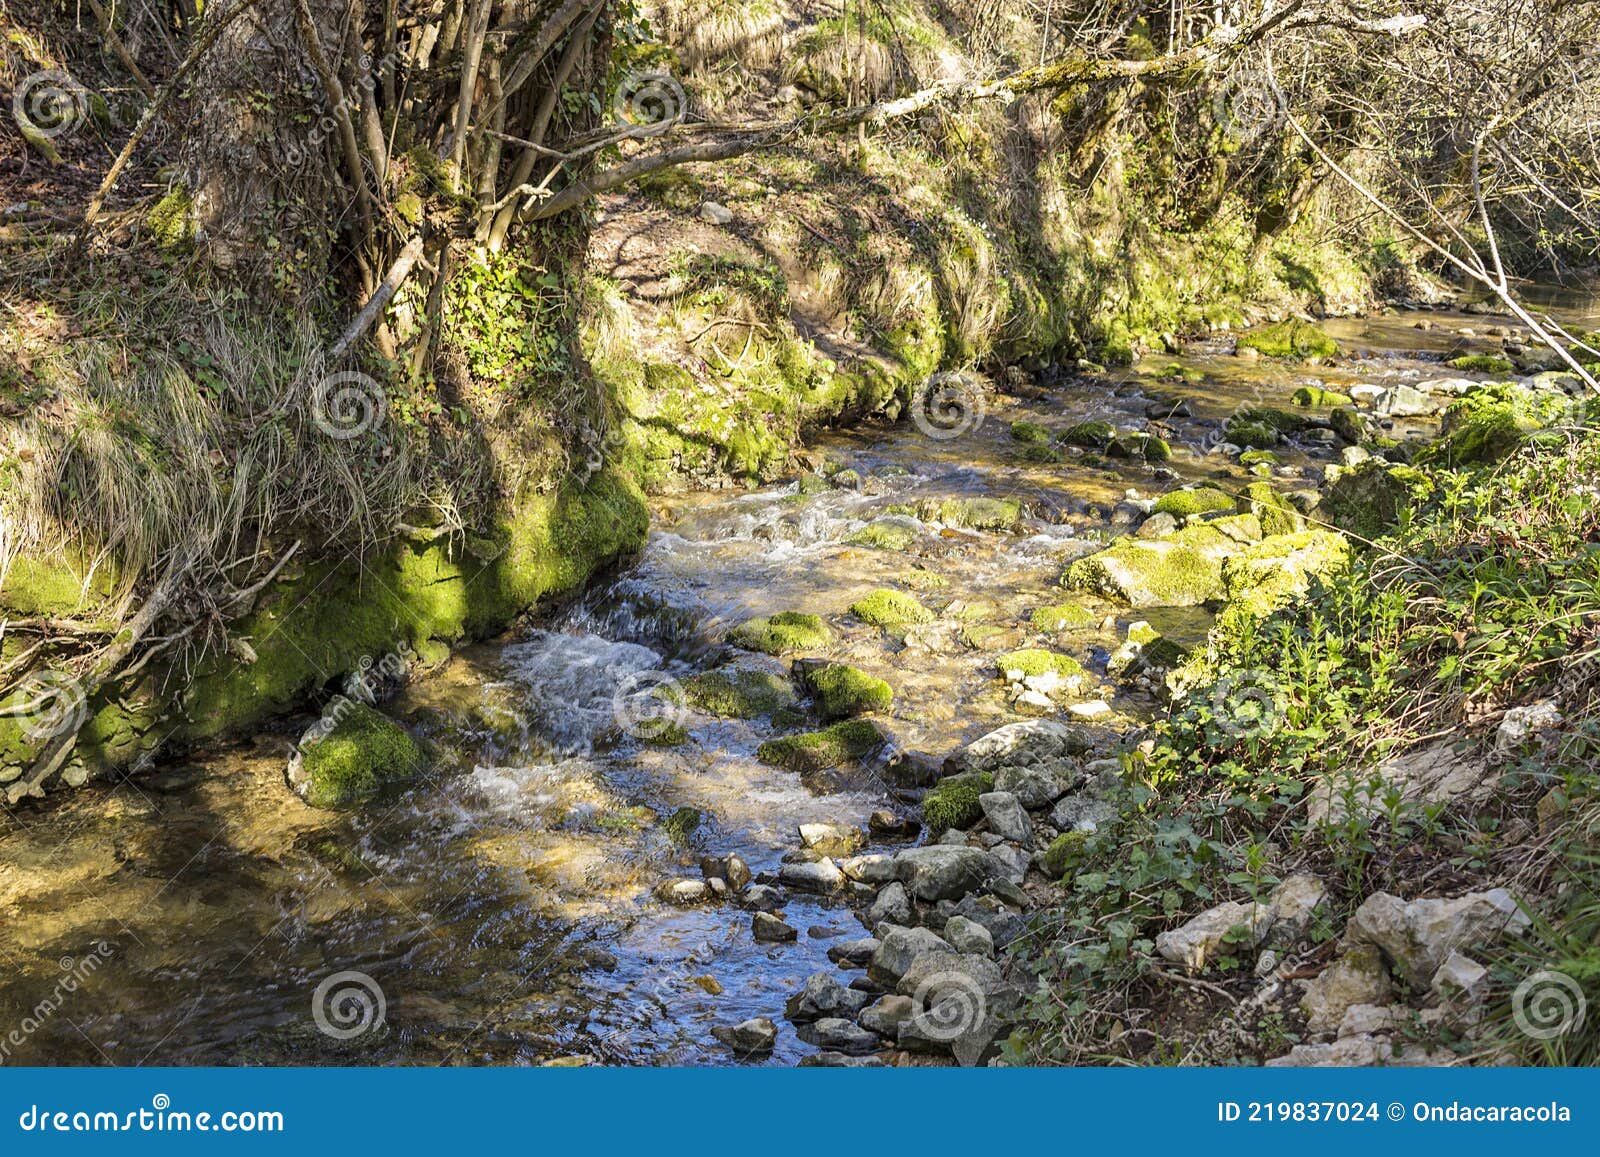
(1290, 339)
(1185, 503)
(1271, 508)
(977, 513)
(359, 756)
(1258, 458)
(890, 533)
(1149, 573)
(782, 634)
(953, 801)
(1154, 648)
(1256, 435)
(1030, 432)
(1369, 499)
(1064, 851)
(1031, 661)
(841, 691)
(737, 693)
(1481, 363)
(846, 480)
(1267, 575)
(1089, 435)
(1283, 421)
(681, 825)
(1348, 423)
(1173, 372)
(1488, 423)
(1146, 447)
(1041, 455)
(1063, 617)
(1316, 397)
(890, 610)
(846, 742)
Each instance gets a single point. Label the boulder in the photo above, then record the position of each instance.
(960, 1002)
(899, 948)
(968, 936)
(872, 869)
(818, 876)
(748, 1038)
(1037, 787)
(943, 872)
(839, 1035)
(1007, 817)
(885, 1015)
(823, 996)
(768, 929)
(893, 906)
(1418, 936)
(1357, 977)
(1295, 903)
(854, 953)
(683, 892)
(831, 839)
(1033, 743)
(1240, 925)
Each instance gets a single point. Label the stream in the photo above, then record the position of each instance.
(505, 909)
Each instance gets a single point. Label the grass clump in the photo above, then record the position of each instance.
(953, 801)
(846, 742)
(783, 633)
(1185, 503)
(890, 610)
(842, 691)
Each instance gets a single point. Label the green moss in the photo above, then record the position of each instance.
(1173, 372)
(1184, 503)
(681, 825)
(1149, 573)
(1090, 435)
(1348, 424)
(841, 691)
(1030, 432)
(738, 694)
(1316, 396)
(50, 588)
(953, 801)
(1482, 363)
(1369, 499)
(1290, 339)
(171, 221)
(1063, 617)
(1031, 661)
(1257, 435)
(890, 610)
(1043, 455)
(1491, 421)
(1143, 446)
(884, 534)
(1064, 851)
(846, 742)
(783, 633)
(846, 480)
(978, 513)
(1271, 508)
(1258, 458)
(363, 754)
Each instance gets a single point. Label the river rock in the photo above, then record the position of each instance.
(1357, 977)
(749, 1037)
(891, 826)
(737, 873)
(943, 872)
(1295, 903)
(1195, 942)
(839, 1035)
(854, 953)
(966, 935)
(893, 906)
(768, 929)
(831, 839)
(1002, 924)
(824, 996)
(683, 893)
(899, 948)
(1031, 743)
(1158, 526)
(959, 1001)
(1007, 818)
(1402, 401)
(1417, 936)
(872, 869)
(818, 876)
(1082, 813)
(762, 898)
(832, 1059)
(1039, 785)
(885, 1015)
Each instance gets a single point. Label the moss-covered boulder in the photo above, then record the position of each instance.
(1268, 574)
(1271, 509)
(352, 755)
(1149, 573)
(1349, 425)
(1090, 435)
(1061, 617)
(1490, 422)
(1143, 447)
(953, 801)
(846, 742)
(1290, 339)
(1034, 662)
(976, 513)
(890, 610)
(1064, 851)
(892, 533)
(1185, 503)
(782, 634)
(1258, 458)
(738, 693)
(1368, 499)
(1315, 397)
(1481, 363)
(841, 691)
(1030, 432)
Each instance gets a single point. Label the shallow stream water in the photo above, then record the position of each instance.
(503, 909)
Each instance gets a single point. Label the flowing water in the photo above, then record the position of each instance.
(504, 907)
